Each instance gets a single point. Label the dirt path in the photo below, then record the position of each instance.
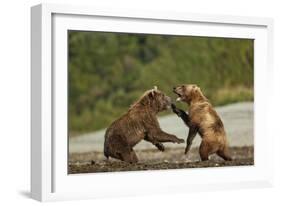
(237, 119)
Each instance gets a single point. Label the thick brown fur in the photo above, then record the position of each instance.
(202, 118)
(139, 123)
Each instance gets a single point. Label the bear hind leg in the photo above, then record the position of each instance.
(206, 149)
(115, 147)
(129, 156)
(224, 153)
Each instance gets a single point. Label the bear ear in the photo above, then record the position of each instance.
(151, 94)
(196, 88)
(155, 88)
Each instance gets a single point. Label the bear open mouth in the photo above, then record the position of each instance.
(179, 96)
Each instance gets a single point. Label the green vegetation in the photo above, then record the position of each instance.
(109, 71)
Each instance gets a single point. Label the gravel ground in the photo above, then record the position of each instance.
(154, 160)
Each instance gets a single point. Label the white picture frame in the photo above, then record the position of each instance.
(49, 178)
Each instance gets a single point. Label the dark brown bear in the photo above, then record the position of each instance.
(202, 118)
(140, 122)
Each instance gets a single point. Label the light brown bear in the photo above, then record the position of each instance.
(138, 123)
(202, 118)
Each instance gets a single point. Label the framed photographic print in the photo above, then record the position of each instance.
(137, 102)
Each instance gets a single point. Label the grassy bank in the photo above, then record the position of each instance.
(108, 72)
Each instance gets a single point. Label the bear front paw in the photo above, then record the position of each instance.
(179, 141)
(160, 146)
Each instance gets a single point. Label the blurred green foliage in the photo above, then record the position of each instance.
(109, 71)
